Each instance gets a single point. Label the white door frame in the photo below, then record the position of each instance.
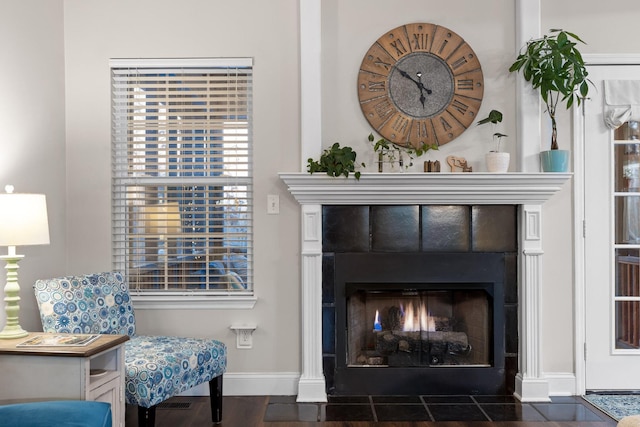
(578, 222)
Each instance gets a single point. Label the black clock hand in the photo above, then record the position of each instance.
(406, 75)
(419, 74)
(418, 83)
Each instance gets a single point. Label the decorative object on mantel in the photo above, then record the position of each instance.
(554, 66)
(432, 166)
(496, 160)
(458, 164)
(335, 161)
(420, 84)
(386, 152)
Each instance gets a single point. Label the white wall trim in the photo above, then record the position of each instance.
(286, 384)
(253, 384)
(561, 383)
(528, 105)
(310, 80)
(578, 253)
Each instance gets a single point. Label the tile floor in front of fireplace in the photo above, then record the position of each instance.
(433, 408)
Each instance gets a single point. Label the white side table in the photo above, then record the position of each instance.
(28, 373)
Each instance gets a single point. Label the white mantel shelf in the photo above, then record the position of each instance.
(425, 188)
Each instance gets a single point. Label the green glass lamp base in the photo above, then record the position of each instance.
(12, 327)
(11, 333)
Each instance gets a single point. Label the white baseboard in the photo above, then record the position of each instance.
(253, 384)
(286, 384)
(561, 383)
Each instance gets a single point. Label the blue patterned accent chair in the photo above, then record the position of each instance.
(157, 367)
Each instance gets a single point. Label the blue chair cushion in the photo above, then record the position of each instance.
(62, 413)
(159, 367)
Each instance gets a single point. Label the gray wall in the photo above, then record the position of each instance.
(54, 118)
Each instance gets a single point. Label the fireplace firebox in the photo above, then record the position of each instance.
(419, 323)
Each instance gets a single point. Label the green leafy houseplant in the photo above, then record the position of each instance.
(335, 161)
(553, 65)
(494, 118)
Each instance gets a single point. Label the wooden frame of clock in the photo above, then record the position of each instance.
(420, 84)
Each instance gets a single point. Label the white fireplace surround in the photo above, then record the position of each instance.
(526, 190)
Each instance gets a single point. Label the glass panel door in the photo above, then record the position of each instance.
(626, 299)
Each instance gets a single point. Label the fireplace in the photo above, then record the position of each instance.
(424, 313)
(526, 192)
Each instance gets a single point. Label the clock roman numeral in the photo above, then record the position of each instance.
(384, 109)
(377, 86)
(459, 106)
(445, 124)
(465, 84)
(459, 63)
(421, 130)
(420, 41)
(399, 47)
(400, 124)
(443, 46)
(380, 63)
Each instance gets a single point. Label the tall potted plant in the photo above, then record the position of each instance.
(554, 66)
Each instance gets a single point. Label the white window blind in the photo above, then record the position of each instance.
(182, 179)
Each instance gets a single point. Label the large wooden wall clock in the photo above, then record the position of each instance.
(420, 84)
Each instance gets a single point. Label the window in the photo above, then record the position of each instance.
(182, 180)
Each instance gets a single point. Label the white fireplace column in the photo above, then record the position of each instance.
(531, 386)
(311, 387)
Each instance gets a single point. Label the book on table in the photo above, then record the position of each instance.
(59, 340)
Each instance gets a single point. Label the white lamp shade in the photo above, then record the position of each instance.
(23, 219)
(162, 219)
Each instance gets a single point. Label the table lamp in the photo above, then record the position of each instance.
(23, 221)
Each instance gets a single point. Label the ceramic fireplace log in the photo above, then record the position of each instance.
(388, 342)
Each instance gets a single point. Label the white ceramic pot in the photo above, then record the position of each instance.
(497, 161)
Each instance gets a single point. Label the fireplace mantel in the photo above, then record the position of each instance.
(425, 188)
(527, 190)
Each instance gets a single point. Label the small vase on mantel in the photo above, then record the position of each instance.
(497, 161)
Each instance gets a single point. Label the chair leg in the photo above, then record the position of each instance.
(215, 393)
(146, 416)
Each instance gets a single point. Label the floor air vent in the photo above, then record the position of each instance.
(174, 405)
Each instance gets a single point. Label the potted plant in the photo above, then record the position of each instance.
(554, 66)
(335, 161)
(496, 160)
(386, 151)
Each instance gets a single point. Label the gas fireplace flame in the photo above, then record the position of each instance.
(418, 320)
(377, 326)
(412, 319)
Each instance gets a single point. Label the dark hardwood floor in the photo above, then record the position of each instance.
(407, 411)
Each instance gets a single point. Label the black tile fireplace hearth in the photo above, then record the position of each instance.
(420, 299)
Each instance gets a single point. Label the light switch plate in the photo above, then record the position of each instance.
(273, 204)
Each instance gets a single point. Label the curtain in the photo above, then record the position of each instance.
(621, 102)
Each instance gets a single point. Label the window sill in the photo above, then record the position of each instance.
(191, 300)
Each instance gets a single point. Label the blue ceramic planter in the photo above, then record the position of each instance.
(554, 160)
